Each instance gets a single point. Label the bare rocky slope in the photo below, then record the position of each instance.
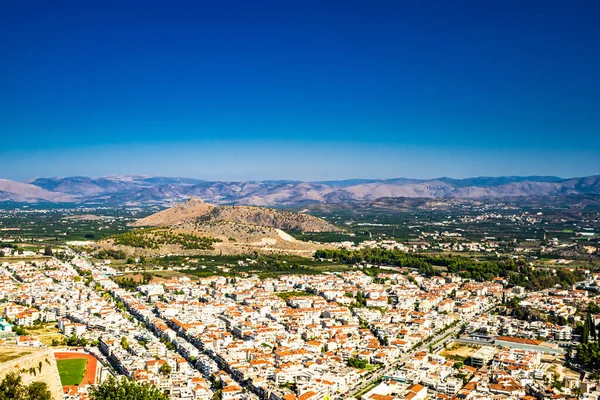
(233, 239)
(195, 211)
(236, 230)
(28, 193)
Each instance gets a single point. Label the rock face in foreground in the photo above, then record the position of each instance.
(21, 358)
(196, 211)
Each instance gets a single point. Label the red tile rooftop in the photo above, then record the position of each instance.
(519, 340)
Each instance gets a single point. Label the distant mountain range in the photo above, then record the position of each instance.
(144, 190)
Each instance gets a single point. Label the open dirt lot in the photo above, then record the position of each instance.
(459, 351)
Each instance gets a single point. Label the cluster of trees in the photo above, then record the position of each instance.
(168, 344)
(589, 329)
(378, 256)
(357, 363)
(12, 388)
(73, 340)
(266, 266)
(19, 330)
(526, 313)
(126, 283)
(123, 389)
(360, 299)
(593, 307)
(589, 355)
(153, 239)
(147, 277)
(165, 369)
(518, 273)
(483, 270)
(538, 279)
(110, 253)
(424, 263)
(124, 343)
(588, 352)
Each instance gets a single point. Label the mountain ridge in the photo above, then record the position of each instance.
(153, 190)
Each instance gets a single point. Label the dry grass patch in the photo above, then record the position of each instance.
(43, 329)
(459, 352)
(48, 339)
(12, 353)
(160, 276)
(46, 332)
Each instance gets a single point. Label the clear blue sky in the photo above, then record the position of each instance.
(299, 89)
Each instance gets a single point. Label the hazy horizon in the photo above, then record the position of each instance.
(146, 176)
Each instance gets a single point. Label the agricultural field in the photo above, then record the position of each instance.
(414, 222)
(38, 226)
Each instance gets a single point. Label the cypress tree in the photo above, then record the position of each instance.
(586, 329)
(593, 332)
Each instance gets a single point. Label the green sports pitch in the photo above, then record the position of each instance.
(71, 371)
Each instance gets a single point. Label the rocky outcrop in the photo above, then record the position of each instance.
(197, 211)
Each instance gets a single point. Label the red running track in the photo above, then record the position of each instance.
(90, 365)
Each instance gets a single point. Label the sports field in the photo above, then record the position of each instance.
(71, 371)
(76, 368)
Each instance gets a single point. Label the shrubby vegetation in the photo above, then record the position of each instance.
(526, 313)
(378, 256)
(286, 295)
(589, 355)
(589, 329)
(154, 238)
(538, 279)
(594, 307)
(263, 265)
(357, 363)
(74, 340)
(126, 283)
(123, 389)
(109, 253)
(12, 388)
(19, 330)
(518, 273)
